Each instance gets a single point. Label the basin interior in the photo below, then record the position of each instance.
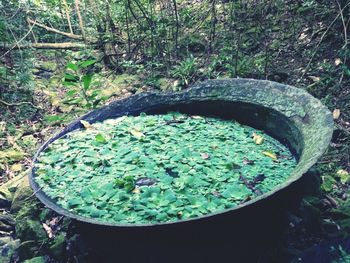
(268, 120)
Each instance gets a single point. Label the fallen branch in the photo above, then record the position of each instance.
(64, 45)
(54, 30)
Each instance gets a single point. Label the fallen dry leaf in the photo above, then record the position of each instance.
(336, 114)
(136, 191)
(137, 134)
(16, 167)
(86, 124)
(258, 139)
(205, 156)
(270, 154)
(302, 36)
(48, 230)
(314, 78)
(343, 175)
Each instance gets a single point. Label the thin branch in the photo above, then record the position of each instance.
(19, 104)
(54, 30)
(321, 39)
(67, 15)
(341, 11)
(17, 43)
(64, 45)
(80, 19)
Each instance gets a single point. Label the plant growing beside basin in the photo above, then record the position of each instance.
(160, 168)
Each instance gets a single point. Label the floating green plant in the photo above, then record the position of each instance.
(160, 168)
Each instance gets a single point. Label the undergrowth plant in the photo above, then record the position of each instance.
(78, 78)
(185, 71)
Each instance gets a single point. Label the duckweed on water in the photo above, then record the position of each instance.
(160, 168)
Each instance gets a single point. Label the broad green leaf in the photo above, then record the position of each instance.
(87, 81)
(327, 183)
(71, 93)
(69, 84)
(87, 63)
(72, 66)
(70, 77)
(54, 118)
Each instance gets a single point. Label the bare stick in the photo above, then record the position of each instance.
(68, 16)
(19, 104)
(64, 45)
(81, 24)
(54, 30)
(322, 37)
(17, 43)
(341, 11)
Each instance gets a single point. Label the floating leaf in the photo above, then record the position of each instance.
(137, 134)
(258, 139)
(270, 154)
(205, 156)
(233, 166)
(100, 138)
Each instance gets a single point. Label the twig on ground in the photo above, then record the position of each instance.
(19, 104)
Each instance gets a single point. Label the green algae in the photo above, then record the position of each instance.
(160, 168)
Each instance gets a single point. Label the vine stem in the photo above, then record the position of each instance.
(19, 104)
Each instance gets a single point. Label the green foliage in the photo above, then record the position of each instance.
(78, 79)
(185, 71)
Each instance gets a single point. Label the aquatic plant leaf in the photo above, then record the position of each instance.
(100, 138)
(137, 134)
